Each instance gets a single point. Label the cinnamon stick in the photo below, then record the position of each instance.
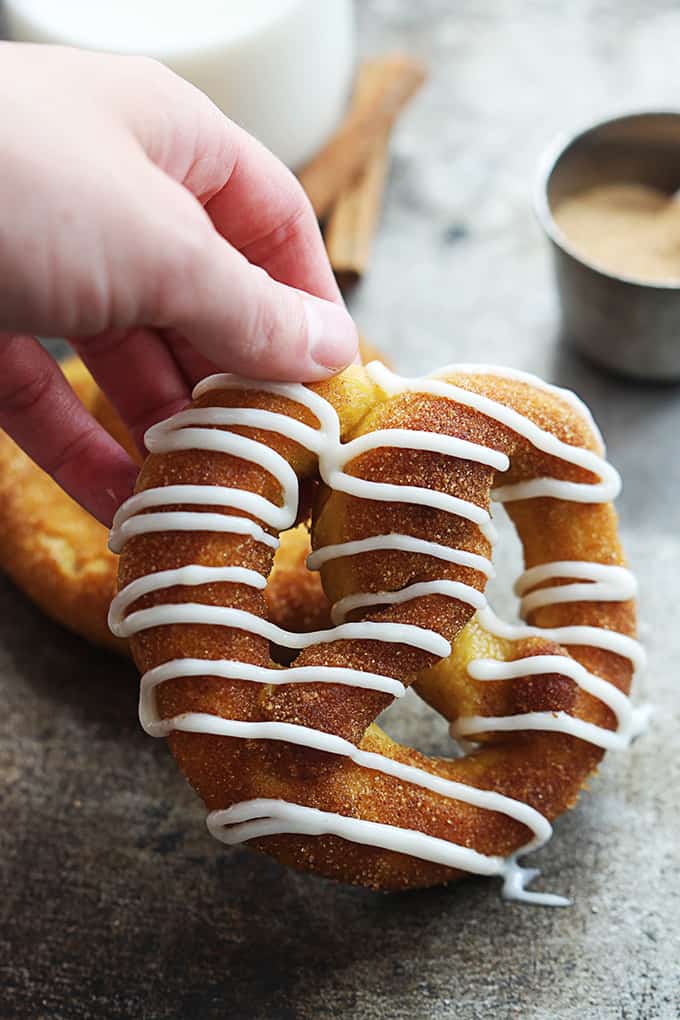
(352, 220)
(392, 83)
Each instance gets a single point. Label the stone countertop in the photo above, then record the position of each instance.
(114, 902)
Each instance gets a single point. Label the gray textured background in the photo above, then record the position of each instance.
(114, 902)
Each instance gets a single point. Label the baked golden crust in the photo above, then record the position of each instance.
(545, 770)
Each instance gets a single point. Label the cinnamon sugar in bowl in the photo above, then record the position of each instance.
(608, 200)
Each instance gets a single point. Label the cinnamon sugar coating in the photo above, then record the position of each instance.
(543, 769)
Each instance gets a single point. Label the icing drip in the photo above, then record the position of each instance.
(202, 429)
(252, 819)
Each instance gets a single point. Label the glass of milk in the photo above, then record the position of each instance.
(281, 68)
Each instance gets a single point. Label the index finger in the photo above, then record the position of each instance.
(262, 210)
(40, 411)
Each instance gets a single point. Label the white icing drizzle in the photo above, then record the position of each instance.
(629, 723)
(184, 576)
(589, 637)
(183, 520)
(605, 490)
(277, 517)
(400, 543)
(535, 381)
(252, 819)
(231, 669)
(391, 837)
(452, 589)
(203, 429)
(557, 722)
(605, 584)
(318, 740)
(224, 616)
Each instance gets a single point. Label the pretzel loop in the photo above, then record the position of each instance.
(290, 759)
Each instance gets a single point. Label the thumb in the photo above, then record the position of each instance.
(244, 321)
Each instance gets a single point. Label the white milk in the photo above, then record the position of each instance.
(281, 68)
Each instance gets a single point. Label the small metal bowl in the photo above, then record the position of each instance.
(624, 323)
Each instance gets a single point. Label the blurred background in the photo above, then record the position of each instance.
(503, 80)
(114, 902)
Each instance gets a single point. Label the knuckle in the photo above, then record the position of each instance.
(23, 396)
(76, 450)
(266, 246)
(87, 305)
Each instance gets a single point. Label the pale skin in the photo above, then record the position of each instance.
(161, 239)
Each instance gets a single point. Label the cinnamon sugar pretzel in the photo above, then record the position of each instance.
(289, 759)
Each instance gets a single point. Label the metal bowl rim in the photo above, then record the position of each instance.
(548, 161)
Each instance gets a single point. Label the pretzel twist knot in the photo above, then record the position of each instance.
(288, 758)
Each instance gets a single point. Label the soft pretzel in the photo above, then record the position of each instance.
(290, 759)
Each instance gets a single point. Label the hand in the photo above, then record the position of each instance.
(161, 238)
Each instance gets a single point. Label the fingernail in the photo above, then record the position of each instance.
(332, 334)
